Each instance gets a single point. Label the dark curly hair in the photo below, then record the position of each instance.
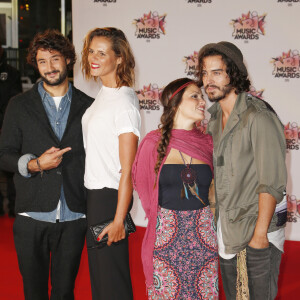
(167, 118)
(51, 39)
(238, 80)
(121, 48)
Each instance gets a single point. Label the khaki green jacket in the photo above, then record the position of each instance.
(249, 158)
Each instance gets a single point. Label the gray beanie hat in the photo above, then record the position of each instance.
(230, 50)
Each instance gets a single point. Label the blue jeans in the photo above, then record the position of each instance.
(263, 270)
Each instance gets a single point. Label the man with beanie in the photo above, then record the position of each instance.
(250, 175)
(41, 142)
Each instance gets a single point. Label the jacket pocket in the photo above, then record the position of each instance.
(239, 224)
(237, 214)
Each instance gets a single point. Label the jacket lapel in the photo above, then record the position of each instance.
(75, 110)
(231, 123)
(220, 138)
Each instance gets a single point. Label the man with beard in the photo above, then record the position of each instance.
(250, 175)
(41, 142)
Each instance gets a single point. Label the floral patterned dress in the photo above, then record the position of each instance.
(185, 255)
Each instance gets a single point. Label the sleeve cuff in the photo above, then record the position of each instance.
(128, 130)
(22, 164)
(277, 194)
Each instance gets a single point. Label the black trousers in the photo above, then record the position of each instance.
(263, 270)
(35, 241)
(109, 266)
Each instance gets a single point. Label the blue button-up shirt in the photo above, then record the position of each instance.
(58, 119)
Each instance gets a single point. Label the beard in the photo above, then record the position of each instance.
(61, 78)
(219, 94)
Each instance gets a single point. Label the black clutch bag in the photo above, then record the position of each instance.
(97, 229)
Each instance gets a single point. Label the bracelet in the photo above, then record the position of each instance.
(39, 166)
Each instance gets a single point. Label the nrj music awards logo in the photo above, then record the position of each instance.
(293, 208)
(199, 1)
(249, 26)
(256, 93)
(191, 64)
(292, 136)
(288, 1)
(149, 97)
(106, 1)
(150, 26)
(287, 65)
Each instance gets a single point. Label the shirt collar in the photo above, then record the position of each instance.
(214, 108)
(43, 93)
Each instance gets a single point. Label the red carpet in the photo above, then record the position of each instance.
(11, 281)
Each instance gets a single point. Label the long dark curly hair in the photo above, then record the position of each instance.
(167, 118)
(51, 39)
(238, 80)
(121, 47)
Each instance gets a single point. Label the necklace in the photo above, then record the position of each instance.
(188, 177)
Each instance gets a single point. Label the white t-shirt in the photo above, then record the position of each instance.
(57, 101)
(114, 111)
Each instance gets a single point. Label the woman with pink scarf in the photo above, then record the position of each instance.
(173, 176)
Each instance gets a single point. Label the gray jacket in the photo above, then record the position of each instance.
(249, 158)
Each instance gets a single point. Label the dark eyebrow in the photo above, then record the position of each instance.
(196, 92)
(98, 50)
(217, 70)
(56, 55)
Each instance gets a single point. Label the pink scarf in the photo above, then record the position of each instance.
(193, 143)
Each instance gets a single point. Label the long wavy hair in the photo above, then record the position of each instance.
(167, 118)
(238, 80)
(121, 48)
(51, 40)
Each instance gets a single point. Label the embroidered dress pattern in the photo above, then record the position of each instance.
(185, 256)
(166, 281)
(206, 229)
(207, 283)
(166, 228)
